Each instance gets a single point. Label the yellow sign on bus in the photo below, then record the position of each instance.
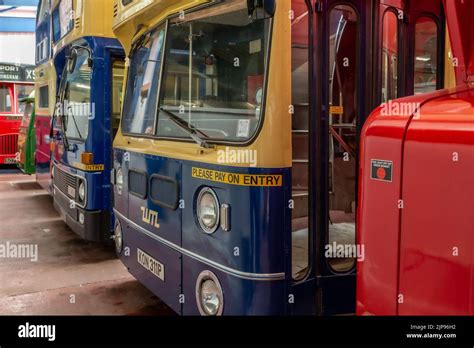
(336, 110)
(238, 179)
(89, 167)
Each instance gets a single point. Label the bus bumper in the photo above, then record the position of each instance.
(92, 226)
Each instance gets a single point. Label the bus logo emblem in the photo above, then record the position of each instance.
(150, 217)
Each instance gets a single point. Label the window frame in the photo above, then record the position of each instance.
(327, 86)
(154, 136)
(84, 138)
(114, 61)
(11, 92)
(440, 49)
(39, 98)
(54, 12)
(399, 86)
(15, 89)
(125, 96)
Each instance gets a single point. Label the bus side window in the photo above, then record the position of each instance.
(43, 97)
(389, 57)
(5, 99)
(426, 55)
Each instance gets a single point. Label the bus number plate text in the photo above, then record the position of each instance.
(150, 264)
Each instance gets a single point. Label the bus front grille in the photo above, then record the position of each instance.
(65, 182)
(8, 144)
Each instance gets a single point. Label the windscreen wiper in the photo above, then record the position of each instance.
(61, 116)
(192, 131)
(74, 120)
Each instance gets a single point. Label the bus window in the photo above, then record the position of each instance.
(300, 138)
(77, 98)
(215, 80)
(63, 19)
(426, 55)
(22, 91)
(343, 108)
(43, 97)
(389, 57)
(143, 82)
(5, 99)
(118, 68)
(27, 112)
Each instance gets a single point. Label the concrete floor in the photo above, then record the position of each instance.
(70, 277)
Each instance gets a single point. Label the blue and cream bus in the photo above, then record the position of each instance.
(89, 62)
(235, 165)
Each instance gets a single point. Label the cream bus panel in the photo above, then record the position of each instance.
(146, 14)
(45, 89)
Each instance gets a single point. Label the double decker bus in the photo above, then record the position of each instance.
(45, 94)
(235, 165)
(416, 193)
(89, 62)
(16, 83)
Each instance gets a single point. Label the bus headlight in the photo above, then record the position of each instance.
(209, 296)
(119, 180)
(118, 238)
(82, 191)
(208, 210)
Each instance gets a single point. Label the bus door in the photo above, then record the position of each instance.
(343, 101)
(152, 180)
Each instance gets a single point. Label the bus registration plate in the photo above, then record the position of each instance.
(150, 264)
(10, 160)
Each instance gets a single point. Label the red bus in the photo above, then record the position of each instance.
(416, 195)
(16, 82)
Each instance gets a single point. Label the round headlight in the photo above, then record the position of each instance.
(118, 237)
(119, 180)
(209, 296)
(208, 210)
(82, 191)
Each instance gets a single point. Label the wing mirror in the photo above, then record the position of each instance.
(72, 61)
(261, 9)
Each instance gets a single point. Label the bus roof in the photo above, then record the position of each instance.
(124, 11)
(19, 73)
(74, 19)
